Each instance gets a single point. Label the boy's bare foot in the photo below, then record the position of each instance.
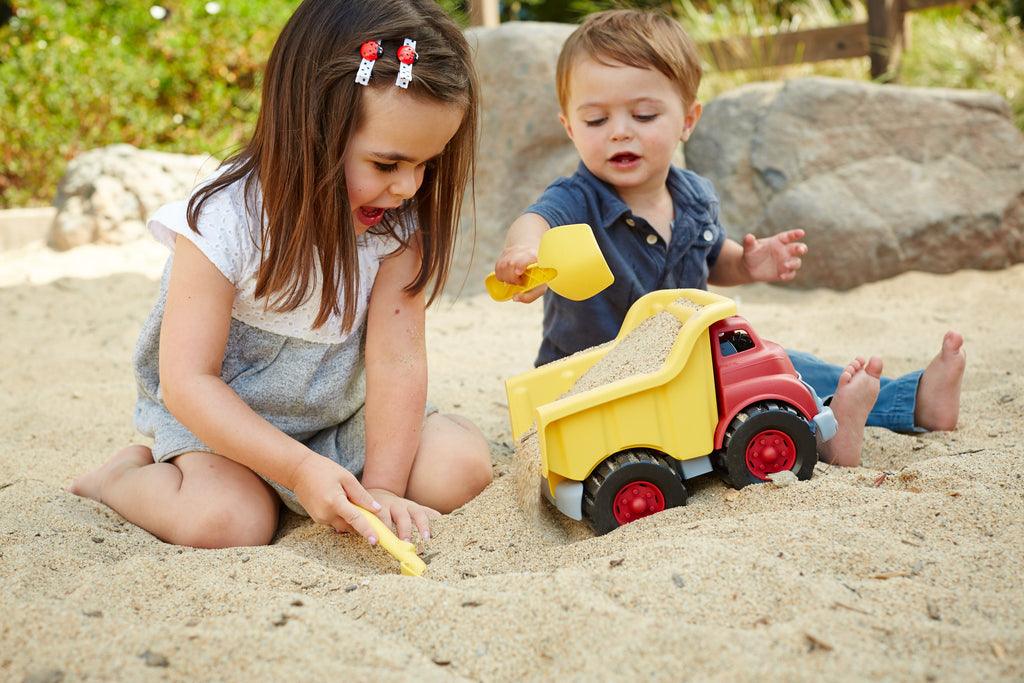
(91, 484)
(938, 392)
(853, 400)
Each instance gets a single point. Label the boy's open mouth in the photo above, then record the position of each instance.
(624, 160)
(370, 215)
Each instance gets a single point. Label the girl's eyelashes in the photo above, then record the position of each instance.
(385, 168)
(644, 118)
(593, 123)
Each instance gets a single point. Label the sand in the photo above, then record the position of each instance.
(908, 568)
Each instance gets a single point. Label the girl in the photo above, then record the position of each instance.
(285, 355)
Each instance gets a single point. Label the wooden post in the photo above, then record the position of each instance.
(483, 13)
(885, 37)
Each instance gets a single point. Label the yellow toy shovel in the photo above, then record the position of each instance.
(568, 260)
(403, 551)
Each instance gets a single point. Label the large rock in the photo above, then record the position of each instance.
(106, 194)
(522, 147)
(884, 179)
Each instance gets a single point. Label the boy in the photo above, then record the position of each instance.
(627, 83)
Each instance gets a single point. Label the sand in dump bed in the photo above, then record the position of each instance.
(908, 568)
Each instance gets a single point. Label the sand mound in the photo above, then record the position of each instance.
(905, 569)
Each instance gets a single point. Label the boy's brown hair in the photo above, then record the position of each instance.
(637, 38)
(311, 107)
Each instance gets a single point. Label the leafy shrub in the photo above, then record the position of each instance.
(79, 75)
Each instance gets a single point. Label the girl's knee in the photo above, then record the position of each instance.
(472, 457)
(458, 451)
(228, 526)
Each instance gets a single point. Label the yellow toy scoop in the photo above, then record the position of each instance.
(403, 551)
(568, 260)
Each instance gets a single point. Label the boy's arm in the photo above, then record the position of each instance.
(772, 259)
(521, 245)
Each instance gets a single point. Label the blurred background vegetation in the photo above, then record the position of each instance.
(184, 75)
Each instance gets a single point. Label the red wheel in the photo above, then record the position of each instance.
(770, 451)
(636, 500)
(631, 485)
(763, 439)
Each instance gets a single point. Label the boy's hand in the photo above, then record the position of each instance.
(327, 491)
(773, 258)
(402, 514)
(512, 264)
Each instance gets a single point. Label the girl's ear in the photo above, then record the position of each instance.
(565, 124)
(691, 119)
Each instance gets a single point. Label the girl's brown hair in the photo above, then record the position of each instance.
(311, 107)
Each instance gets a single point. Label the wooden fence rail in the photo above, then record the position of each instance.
(882, 37)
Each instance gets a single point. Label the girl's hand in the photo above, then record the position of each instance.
(512, 264)
(402, 514)
(773, 258)
(327, 491)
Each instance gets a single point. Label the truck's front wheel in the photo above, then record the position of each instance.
(766, 438)
(628, 486)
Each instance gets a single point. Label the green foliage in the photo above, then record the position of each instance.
(78, 75)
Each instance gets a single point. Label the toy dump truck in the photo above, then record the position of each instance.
(723, 400)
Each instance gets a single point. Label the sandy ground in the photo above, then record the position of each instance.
(906, 569)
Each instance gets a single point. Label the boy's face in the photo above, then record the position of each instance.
(626, 122)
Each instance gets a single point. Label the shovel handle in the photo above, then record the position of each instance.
(534, 276)
(403, 551)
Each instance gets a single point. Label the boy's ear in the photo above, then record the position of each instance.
(565, 124)
(691, 119)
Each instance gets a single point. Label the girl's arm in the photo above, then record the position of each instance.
(396, 391)
(193, 337)
(396, 374)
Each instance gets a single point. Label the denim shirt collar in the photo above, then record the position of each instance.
(686, 197)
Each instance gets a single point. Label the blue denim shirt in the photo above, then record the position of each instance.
(638, 257)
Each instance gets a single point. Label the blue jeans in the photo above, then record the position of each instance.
(894, 408)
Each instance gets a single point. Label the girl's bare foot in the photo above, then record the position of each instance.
(91, 484)
(853, 400)
(938, 393)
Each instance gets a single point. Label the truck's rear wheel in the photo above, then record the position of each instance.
(763, 439)
(628, 486)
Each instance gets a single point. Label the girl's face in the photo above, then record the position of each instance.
(389, 153)
(626, 122)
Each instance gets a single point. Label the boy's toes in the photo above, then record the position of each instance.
(952, 342)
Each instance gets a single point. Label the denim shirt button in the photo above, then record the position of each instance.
(630, 222)
(652, 239)
(708, 235)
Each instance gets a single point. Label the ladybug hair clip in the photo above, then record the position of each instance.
(407, 57)
(369, 51)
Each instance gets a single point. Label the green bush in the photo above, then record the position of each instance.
(87, 73)
(79, 75)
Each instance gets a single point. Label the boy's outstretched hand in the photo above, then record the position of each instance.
(774, 258)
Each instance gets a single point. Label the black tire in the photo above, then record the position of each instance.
(616, 473)
(766, 418)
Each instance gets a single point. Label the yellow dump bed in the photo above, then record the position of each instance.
(672, 409)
